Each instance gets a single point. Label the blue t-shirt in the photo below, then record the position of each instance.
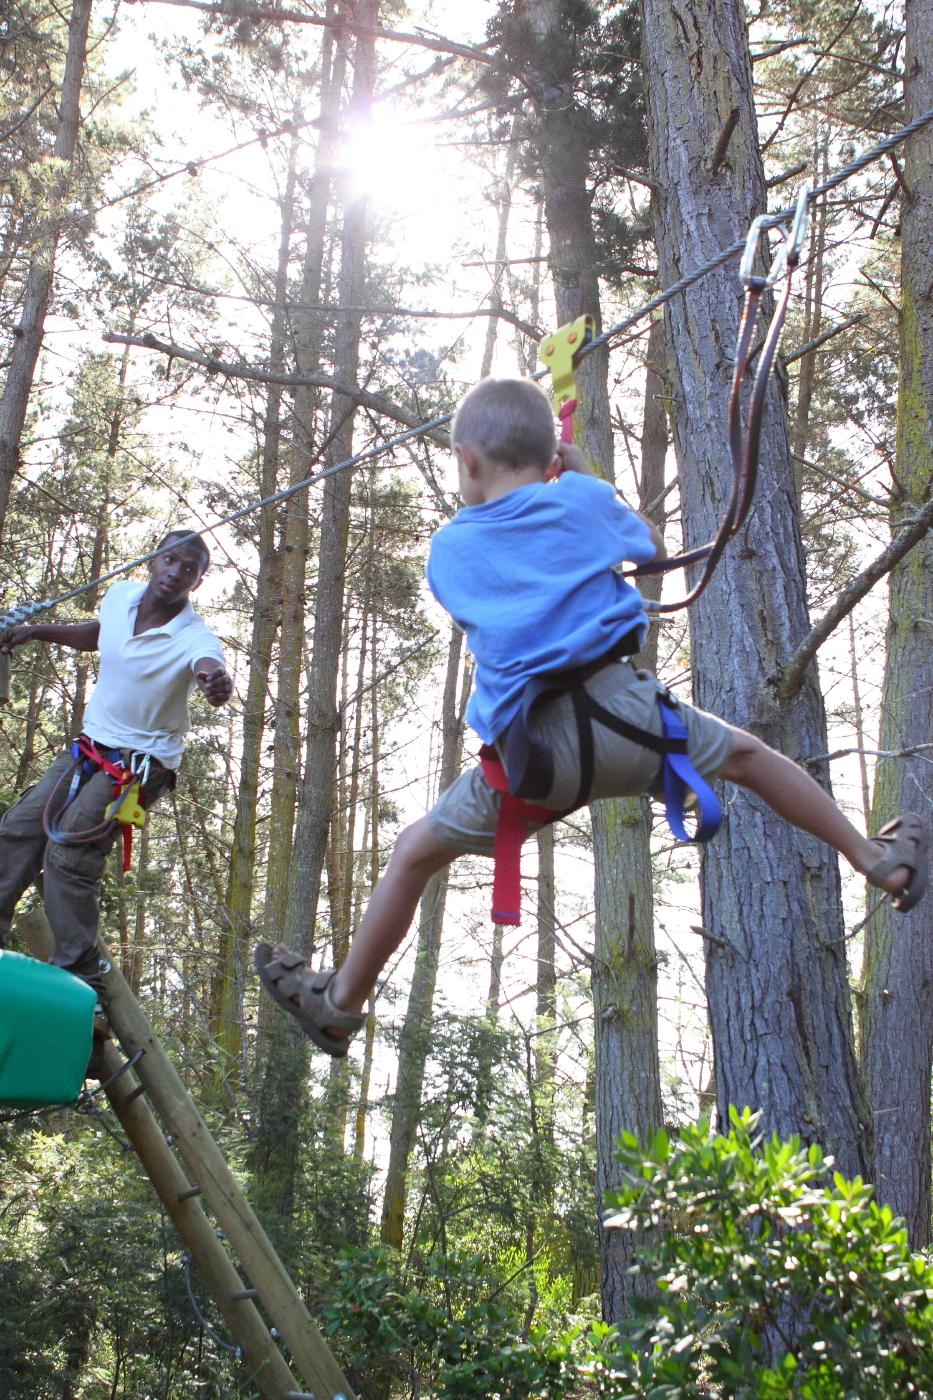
(529, 577)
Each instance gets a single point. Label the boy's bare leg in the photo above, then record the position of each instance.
(418, 854)
(797, 797)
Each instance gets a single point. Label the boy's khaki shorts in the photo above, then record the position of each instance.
(465, 815)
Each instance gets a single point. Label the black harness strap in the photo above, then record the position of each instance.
(528, 762)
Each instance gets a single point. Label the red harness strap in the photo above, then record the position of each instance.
(515, 816)
(565, 414)
(121, 778)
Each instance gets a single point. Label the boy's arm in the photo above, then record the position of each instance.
(573, 460)
(80, 636)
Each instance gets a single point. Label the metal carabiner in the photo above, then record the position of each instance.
(139, 765)
(787, 255)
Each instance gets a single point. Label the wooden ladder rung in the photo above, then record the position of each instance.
(191, 1192)
(243, 1294)
(134, 1094)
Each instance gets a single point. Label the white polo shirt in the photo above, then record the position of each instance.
(140, 701)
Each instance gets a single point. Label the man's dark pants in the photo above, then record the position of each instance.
(72, 871)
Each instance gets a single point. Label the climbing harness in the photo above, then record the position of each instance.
(744, 439)
(126, 809)
(521, 768)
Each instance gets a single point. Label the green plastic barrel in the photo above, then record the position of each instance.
(46, 1032)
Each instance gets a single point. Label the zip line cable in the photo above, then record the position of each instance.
(24, 611)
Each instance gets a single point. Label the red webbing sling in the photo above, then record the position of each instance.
(515, 817)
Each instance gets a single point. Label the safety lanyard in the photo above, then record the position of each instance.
(744, 438)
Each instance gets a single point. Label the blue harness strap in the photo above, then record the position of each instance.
(680, 777)
(529, 764)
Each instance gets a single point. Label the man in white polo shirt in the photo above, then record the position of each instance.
(154, 649)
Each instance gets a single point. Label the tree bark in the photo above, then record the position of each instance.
(625, 1014)
(776, 975)
(281, 1050)
(313, 813)
(28, 334)
(414, 1039)
(897, 1001)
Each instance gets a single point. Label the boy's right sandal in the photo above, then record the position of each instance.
(309, 1001)
(907, 842)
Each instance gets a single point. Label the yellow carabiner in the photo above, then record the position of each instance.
(557, 353)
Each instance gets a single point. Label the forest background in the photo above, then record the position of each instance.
(241, 244)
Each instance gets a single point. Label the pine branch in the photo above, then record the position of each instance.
(327, 309)
(277, 16)
(375, 402)
(910, 533)
(821, 339)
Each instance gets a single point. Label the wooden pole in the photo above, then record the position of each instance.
(185, 1129)
(4, 677)
(188, 1132)
(266, 1363)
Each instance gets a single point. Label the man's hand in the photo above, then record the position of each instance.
(15, 637)
(216, 685)
(572, 459)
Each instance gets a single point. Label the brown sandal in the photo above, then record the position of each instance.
(310, 1003)
(907, 842)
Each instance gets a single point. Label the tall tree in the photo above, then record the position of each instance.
(624, 960)
(776, 970)
(29, 333)
(897, 1002)
(285, 1070)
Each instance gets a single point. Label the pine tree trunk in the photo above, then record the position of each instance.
(283, 1088)
(28, 334)
(776, 976)
(625, 1017)
(313, 812)
(279, 1048)
(414, 1039)
(228, 997)
(897, 1006)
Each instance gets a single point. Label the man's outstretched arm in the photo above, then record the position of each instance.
(80, 636)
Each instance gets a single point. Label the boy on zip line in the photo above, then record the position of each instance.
(527, 569)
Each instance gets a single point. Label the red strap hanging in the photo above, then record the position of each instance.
(515, 816)
(565, 414)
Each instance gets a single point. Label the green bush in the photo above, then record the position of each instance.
(448, 1329)
(775, 1276)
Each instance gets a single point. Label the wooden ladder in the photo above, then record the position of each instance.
(189, 1172)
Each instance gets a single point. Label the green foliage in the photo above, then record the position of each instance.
(448, 1328)
(776, 1276)
(92, 1276)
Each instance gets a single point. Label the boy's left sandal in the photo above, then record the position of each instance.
(907, 842)
(309, 1001)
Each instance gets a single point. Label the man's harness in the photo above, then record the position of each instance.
(127, 808)
(521, 767)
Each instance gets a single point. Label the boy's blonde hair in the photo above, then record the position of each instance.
(510, 421)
